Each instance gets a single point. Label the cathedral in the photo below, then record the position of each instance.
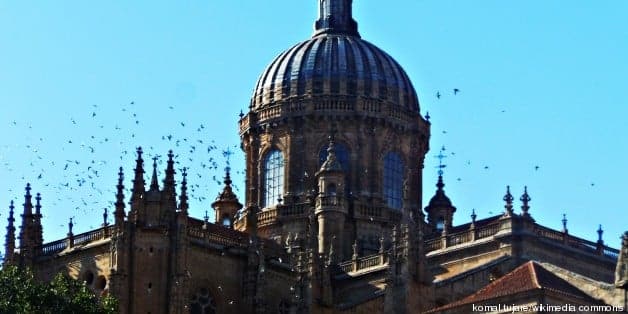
(333, 219)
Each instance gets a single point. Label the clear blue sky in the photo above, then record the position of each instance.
(543, 83)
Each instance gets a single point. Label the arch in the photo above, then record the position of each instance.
(393, 180)
(440, 224)
(273, 177)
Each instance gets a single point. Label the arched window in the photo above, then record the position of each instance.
(440, 224)
(202, 302)
(273, 177)
(393, 180)
(226, 221)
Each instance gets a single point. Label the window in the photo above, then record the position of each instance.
(273, 177)
(393, 180)
(226, 222)
(440, 224)
(202, 302)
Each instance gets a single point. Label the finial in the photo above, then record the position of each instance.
(138, 181)
(473, 216)
(381, 243)
(11, 208)
(70, 226)
(38, 204)
(206, 217)
(441, 155)
(508, 199)
(331, 163)
(332, 253)
(105, 215)
(227, 154)
(525, 199)
(427, 116)
(600, 232)
(183, 199)
(169, 184)
(241, 114)
(28, 205)
(335, 17)
(355, 249)
(119, 213)
(120, 187)
(227, 180)
(565, 223)
(154, 185)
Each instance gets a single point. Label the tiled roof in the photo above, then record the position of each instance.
(527, 277)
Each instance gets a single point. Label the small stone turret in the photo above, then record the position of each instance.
(330, 206)
(440, 211)
(226, 205)
(31, 237)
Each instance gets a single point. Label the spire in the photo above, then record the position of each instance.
(138, 181)
(183, 199)
(9, 245)
(335, 17)
(525, 199)
(154, 185)
(39, 236)
(473, 217)
(119, 213)
(331, 163)
(169, 183)
(28, 205)
(508, 199)
(38, 206)
(600, 232)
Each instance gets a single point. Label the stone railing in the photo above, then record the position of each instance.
(380, 213)
(212, 237)
(267, 217)
(299, 209)
(575, 242)
(307, 106)
(329, 201)
(473, 234)
(54, 247)
(462, 237)
(79, 239)
(362, 263)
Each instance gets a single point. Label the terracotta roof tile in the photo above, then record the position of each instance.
(527, 277)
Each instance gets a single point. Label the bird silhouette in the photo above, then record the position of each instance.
(456, 91)
(437, 95)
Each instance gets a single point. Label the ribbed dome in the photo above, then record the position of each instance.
(335, 61)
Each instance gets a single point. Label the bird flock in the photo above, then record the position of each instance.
(73, 163)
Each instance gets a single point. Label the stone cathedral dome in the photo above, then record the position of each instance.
(334, 62)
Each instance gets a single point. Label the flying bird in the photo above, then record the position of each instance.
(456, 91)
